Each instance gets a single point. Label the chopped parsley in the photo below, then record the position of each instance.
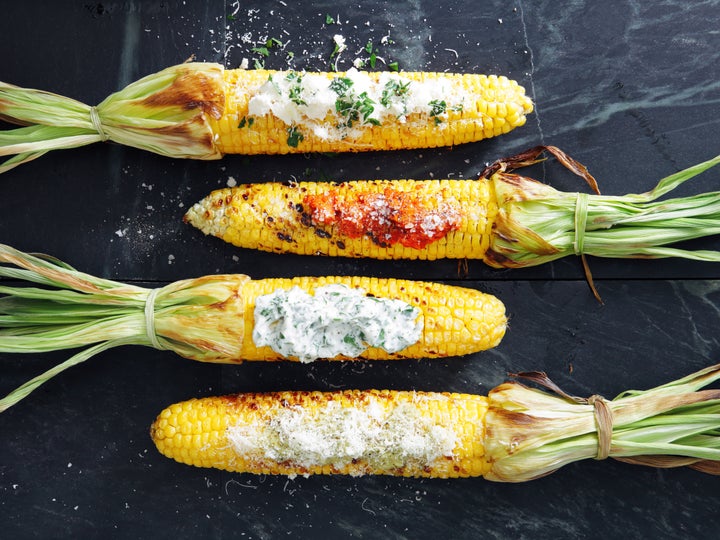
(329, 19)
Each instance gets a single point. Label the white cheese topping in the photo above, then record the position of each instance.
(336, 320)
(356, 101)
(336, 435)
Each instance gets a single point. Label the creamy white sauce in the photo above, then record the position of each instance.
(338, 435)
(336, 320)
(306, 99)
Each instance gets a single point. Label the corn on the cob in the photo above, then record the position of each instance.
(203, 111)
(231, 318)
(514, 434)
(504, 219)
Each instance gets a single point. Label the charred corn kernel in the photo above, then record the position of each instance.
(287, 111)
(419, 434)
(478, 326)
(383, 219)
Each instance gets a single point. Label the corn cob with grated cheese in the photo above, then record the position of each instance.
(232, 318)
(504, 219)
(514, 434)
(203, 111)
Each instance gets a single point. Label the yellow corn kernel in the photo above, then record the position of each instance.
(383, 219)
(419, 434)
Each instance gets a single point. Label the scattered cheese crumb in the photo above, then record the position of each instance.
(231, 182)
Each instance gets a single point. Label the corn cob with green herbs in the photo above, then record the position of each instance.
(203, 111)
(231, 318)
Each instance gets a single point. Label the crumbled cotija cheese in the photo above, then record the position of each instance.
(356, 101)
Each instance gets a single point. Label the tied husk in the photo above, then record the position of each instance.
(531, 433)
(166, 113)
(200, 319)
(537, 223)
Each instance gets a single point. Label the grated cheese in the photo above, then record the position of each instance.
(339, 435)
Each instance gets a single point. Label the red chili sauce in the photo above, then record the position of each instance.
(389, 217)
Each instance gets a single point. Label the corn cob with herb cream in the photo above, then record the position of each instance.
(514, 434)
(203, 111)
(231, 318)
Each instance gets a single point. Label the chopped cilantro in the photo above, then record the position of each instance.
(294, 136)
(245, 121)
(341, 85)
(261, 50)
(394, 66)
(329, 19)
(437, 107)
(295, 90)
(373, 57)
(356, 108)
(394, 88)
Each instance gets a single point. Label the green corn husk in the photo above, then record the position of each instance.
(537, 223)
(164, 113)
(531, 433)
(196, 318)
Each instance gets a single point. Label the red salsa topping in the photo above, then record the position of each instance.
(388, 217)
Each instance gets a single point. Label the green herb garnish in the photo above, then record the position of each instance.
(295, 90)
(392, 89)
(245, 121)
(437, 107)
(341, 85)
(294, 136)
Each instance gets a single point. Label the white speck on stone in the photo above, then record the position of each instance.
(171, 258)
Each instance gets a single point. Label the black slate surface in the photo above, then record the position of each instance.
(628, 88)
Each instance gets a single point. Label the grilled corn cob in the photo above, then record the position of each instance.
(231, 318)
(505, 219)
(514, 434)
(203, 111)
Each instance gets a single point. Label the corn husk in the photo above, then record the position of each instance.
(166, 113)
(531, 433)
